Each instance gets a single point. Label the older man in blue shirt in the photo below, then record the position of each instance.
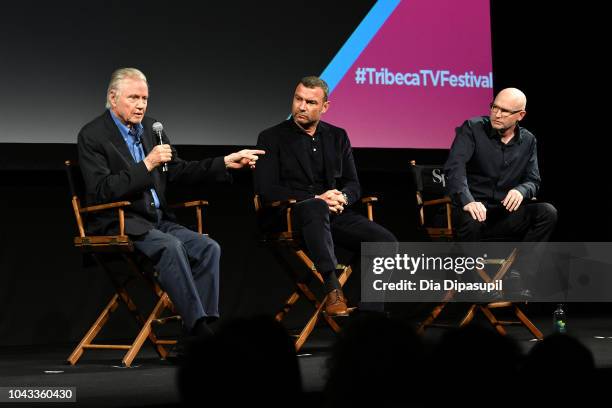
(121, 158)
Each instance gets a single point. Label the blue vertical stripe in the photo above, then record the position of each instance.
(358, 41)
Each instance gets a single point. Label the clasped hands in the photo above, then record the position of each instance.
(334, 199)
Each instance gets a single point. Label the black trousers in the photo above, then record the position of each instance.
(321, 230)
(531, 222)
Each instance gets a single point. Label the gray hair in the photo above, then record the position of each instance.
(119, 76)
(316, 82)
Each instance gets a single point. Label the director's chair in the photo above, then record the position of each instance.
(103, 249)
(289, 240)
(487, 308)
(435, 218)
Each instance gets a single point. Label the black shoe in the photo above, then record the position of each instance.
(526, 294)
(512, 282)
(201, 329)
(181, 349)
(515, 289)
(484, 296)
(522, 295)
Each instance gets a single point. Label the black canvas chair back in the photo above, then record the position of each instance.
(434, 206)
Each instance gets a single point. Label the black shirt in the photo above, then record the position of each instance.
(482, 168)
(313, 149)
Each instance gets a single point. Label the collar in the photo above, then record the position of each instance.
(493, 134)
(298, 129)
(125, 131)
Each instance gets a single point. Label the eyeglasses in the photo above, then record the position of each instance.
(504, 112)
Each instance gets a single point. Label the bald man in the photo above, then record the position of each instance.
(493, 177)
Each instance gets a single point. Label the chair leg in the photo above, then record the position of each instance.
(527, 323)
(431, 318)
(319, 306)
(94, 329)
(145, 332)
(287, 306)
(469, 316)
(163, 353)
(309, 295)
(346, 273)
(493, 320)
(303, 336)
(435, 312)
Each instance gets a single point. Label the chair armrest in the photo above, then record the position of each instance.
(437, 201)
(119, 205)
(275, 204)
(446, 201)
(369, 202)
(189, 204)
(197, 205)
(370, 199)
(107, 206)
(286, 204)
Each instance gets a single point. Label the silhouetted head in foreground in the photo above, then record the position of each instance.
(376, 361)
(248, 361)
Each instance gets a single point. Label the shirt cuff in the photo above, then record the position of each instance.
(464, 198)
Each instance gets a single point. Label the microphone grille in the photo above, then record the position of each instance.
(158, 127)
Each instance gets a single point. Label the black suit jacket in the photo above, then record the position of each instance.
(284, 172)
(110, 174)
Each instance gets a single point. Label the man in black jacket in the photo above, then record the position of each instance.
(121, 159)
(312, 161)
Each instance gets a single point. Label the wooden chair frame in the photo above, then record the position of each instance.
(288, 239)
(487, 308)
(98, 247)
(447, 233)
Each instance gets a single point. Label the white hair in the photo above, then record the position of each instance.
(119, 76)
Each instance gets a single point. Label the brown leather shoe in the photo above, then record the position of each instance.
(336, 304)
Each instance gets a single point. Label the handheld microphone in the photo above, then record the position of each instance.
(158, 128)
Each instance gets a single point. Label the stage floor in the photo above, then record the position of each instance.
(151, 382)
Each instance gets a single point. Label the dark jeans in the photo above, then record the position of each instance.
(188, 268)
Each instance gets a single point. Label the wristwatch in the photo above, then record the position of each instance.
(345, 198)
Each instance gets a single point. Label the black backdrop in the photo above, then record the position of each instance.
(218, 71)
(46, 296)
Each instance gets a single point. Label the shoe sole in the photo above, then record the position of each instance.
(347, 313)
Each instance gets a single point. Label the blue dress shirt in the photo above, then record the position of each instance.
(132, 137)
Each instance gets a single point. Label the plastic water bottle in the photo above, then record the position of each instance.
(559, 322)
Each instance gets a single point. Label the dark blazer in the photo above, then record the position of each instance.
(284, 172)
(110, 174)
